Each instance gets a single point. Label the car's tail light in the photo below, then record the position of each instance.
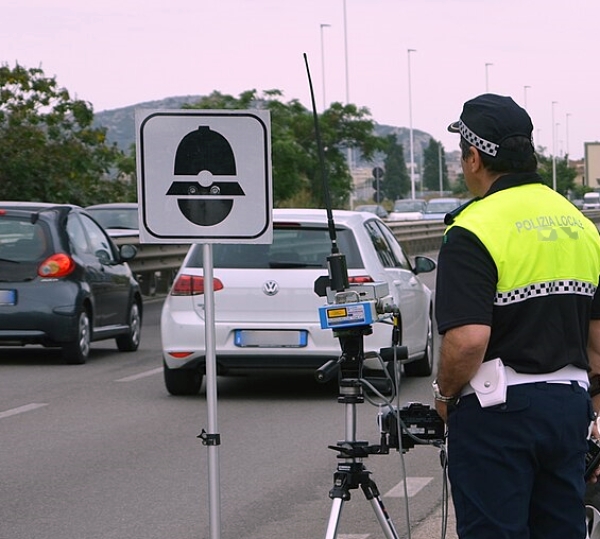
(57, 265)
(192, 285)
(180, 355)
(360, 279)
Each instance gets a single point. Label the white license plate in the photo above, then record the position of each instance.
(8, 297)
(249, 338)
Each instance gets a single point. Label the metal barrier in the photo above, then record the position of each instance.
(155, 265)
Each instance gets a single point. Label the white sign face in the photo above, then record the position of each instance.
(204, 176)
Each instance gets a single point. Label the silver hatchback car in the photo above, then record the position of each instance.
(266, 310)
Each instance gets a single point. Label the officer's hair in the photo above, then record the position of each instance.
(522, 158)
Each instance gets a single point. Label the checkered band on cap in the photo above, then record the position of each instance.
(475, 140)
(545, 289)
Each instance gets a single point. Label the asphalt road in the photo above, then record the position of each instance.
(101, 451)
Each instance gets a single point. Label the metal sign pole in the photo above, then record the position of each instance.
(213, 438)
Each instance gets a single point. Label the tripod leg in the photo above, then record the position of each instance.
(372, 494)
(334, 518)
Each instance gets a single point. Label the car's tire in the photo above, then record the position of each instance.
(423, 366)
(130, 341)
(182, 381)
(77, 351)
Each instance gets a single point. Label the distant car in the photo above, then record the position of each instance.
(408, 209)
(591, 201)
(63, 282)
(377, 209)
(266, 310)
(118, 218)
(437, 208)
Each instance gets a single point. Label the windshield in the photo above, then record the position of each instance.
(409, 205)
(116, 218)
(442, 206)
(292, 247)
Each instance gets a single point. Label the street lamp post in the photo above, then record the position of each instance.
(487, 85)
(349, 151)
(525, 88)
(440, 168)
(567, 132)
(323, 63)
(412, 150)
(553, 148)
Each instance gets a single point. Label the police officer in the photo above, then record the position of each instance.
(519, 313)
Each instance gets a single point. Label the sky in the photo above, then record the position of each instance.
(116, 53)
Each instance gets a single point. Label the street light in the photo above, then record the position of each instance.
(412, 150)
(346, 55)
(567, 132)
(525, 88)
(349, 151)
(323, 63)
(553, 148)
(487, 86)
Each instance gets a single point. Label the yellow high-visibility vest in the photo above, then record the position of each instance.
(544, 248)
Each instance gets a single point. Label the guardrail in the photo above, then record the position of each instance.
(155, 265)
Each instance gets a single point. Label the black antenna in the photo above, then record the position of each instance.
(338, 271)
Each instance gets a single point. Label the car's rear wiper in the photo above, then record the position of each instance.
(278, 264)
(9, 260)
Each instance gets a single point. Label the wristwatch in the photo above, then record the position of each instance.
(437, 395)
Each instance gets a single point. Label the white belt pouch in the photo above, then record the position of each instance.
(489, 383)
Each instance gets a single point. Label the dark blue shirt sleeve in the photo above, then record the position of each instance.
(466, 281)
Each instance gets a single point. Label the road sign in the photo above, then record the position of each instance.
(378, 173)
(204, 176)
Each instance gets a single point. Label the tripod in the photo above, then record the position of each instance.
(351, 473)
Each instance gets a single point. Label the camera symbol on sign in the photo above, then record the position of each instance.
(209, 152)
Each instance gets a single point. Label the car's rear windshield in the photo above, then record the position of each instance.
(21, 240)
(292, 247)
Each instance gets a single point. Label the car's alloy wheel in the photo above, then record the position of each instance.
(182, 381)
(77, 352)
(130, 341)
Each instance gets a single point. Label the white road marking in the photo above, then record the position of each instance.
(22, 409)
(353, 536)
(413, 485)
(140, 375)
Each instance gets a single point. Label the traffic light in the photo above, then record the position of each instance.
(378, 194)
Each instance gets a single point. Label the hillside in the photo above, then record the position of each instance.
(120, 125)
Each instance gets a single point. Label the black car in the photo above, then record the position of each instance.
(63, 282)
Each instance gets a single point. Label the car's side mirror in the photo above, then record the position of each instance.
(424, 264)
(103, 256)
(127, 252)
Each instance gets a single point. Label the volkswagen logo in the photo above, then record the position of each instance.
(270, 288)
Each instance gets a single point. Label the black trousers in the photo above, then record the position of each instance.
(516, 469)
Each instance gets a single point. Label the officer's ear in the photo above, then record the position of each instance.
(473, 161)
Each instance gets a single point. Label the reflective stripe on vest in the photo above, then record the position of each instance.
(544, 248)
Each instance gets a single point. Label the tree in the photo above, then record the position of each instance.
(297, 174)
(396, 182)
(431, 167)
(48, 148)
(565, 175)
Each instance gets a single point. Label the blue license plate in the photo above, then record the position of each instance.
(8, 297)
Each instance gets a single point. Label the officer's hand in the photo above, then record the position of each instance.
(442, 410)
(595, 475)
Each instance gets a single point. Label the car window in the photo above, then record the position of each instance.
(99, 243)
(293, 247)
(381, 246)
(77, 235)
(399, 256)
(23, 241)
